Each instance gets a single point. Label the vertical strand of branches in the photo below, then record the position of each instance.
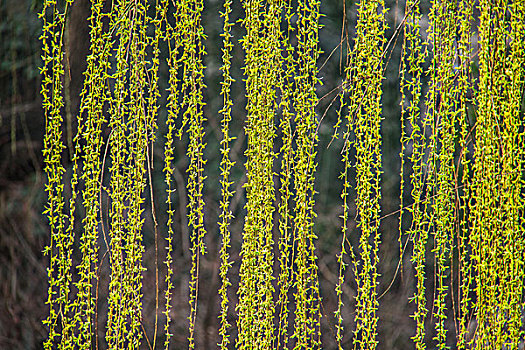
(118, 305)
(192, 35)
(307, 301)
(174, 41)
(497, 209)
(365, 75)
(93, 97)
(59, 248)
(485, 178)
(153, 95)
(345, 217)
(513, 137)
(487, 173)
(498, 175)
(138, 131)
(440, 103)
(262, 47)
(286, 250)
(413, 57)
(463, 173)
(225, 168)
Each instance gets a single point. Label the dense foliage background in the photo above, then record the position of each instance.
(25, 232)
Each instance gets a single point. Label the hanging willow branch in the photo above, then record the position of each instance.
(188, 36)
(59, 250)
(462, 225)
(286, 250)
(440, 102)
(225, 167)
(470, 203)
(307, 301)
(256, 304)
(413, 57)
(365, 77)
(498, 176)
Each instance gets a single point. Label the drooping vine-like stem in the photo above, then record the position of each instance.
(365, 75)
(262, 47)
(225, 167)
